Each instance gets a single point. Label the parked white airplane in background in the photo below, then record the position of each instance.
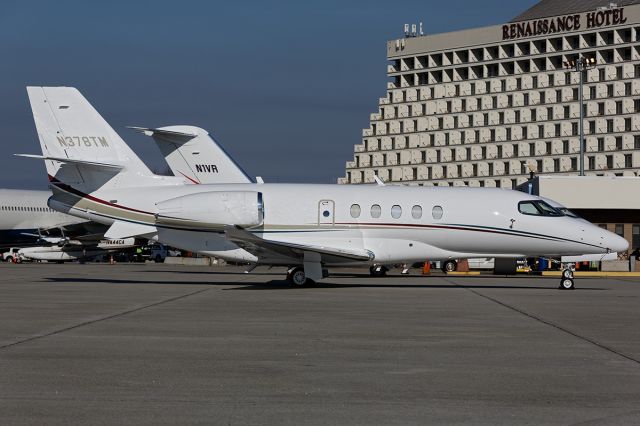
(95, 175)
(191, 153)
(79, 251)
(26, 219)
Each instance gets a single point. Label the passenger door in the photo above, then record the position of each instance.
(326, 212)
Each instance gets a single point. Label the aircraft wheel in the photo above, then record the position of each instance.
(297, 277)
(567, 274)
(378, 270)
(567, 284)
(450, 266)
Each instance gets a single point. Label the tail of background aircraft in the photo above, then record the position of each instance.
(78, 145)
(191, 153)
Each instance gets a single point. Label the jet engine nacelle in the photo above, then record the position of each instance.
(214, 209)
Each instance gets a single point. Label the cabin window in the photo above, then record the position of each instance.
(538, 208)
(376, 211)
(396, 212)
(416, 212)
(437, 212)
(355, 211)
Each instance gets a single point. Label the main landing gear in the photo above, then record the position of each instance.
(297, 278)
(378, 270)
(566, 282)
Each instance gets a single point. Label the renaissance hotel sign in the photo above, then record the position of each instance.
(562, 24)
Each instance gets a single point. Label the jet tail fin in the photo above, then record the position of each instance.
(191, 153)
(73, 136)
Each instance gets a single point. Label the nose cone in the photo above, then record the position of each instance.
(616, 243)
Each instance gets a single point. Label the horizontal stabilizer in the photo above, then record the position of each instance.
(181, 136)
(120, 230)
(74, 161)
(259, 246)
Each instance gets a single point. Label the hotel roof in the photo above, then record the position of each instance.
(548, 8)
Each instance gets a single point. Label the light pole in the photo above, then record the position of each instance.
(581, 65)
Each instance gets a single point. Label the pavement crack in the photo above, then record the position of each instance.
(96, 320)
(549, 323)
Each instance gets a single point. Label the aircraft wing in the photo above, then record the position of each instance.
(268, 248)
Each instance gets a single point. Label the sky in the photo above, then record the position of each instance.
(286, 87)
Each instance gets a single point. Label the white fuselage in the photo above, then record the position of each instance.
(474, 222)
(24, 212)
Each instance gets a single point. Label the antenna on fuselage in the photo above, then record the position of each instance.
(379, 181)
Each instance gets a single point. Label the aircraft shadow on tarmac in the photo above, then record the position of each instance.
(284, 285)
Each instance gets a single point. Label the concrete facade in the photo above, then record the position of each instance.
(481, 108)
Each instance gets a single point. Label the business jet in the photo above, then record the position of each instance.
(94, 175)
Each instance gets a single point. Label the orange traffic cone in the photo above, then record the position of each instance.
(426, 268)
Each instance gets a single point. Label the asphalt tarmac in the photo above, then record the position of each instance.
(166, 344)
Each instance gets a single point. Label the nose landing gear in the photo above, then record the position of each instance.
(566, 282)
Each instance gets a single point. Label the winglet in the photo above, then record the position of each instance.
(379, 181)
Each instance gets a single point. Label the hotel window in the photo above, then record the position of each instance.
(574, 163)
(558, 132)
(627, 124)
(635, 241)
(542, 98)
(592, 163)
(517, 117)
(627, 89)
(592, 92)
(526, 99)
(567, 78)
(600, 108)
(558, 96)
(609, 126)
(619, 107)
(532, 150)
(600, 144)
(601, 75)
(618, 142)
(534, 82)
(609, 161)
(619, 230)
(610, 90)
(628, 161)
(548, 148)
(556, 165)
(565, 147)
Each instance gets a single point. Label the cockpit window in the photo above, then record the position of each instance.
(538, 208)
(569, 213)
